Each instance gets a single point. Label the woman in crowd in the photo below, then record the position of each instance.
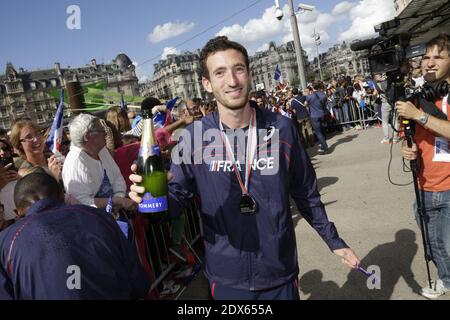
(27, 140)
(118, 117)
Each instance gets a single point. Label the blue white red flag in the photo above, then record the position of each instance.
(278, 75)
(55, 136)
(161, 119)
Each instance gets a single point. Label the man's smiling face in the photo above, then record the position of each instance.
(229, 79)
(437, 62)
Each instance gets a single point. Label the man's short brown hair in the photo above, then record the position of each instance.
(216, 44)
(442, 41)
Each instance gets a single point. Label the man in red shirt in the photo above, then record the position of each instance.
(432, 147)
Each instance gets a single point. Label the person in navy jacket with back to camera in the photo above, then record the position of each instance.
(65, 252)
(249, 236)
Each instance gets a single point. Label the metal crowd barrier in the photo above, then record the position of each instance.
(158, 239)
(356, 114)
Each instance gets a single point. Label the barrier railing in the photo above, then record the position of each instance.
(351, 113)
(157, 240)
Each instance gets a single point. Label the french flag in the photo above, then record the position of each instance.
(55, 135)
(278, 75)
(161, 119)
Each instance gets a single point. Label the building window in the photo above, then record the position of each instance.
(53, 82)
(40, 119)
(14, 87)
(5, 124)
(33, 85)
(20, 110)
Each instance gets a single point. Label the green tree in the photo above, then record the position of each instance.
(295, 82)
(310, 75)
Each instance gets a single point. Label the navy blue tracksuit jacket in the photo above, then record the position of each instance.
(38, 252)
(250, 252)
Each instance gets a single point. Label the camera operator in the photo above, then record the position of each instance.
(431, 138)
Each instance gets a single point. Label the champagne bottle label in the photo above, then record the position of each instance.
(146, 151)
(150, 204)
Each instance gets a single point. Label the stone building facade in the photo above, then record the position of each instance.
(24, 93)
(341, 60)
(264, 63)
(177, 75)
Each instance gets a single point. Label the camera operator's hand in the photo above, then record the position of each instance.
(407, 110)
(409, 153)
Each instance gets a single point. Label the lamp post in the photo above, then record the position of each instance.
(317, 41)
(295, 32)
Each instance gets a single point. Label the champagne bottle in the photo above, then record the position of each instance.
(154, 205)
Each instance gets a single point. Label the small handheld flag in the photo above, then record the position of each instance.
(278, 75)
(160, 118)
(122, 224)
(109, 206)
(55, 136)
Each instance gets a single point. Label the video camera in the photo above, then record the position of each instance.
(386, 54)
(389, 55)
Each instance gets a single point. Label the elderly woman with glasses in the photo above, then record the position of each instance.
(90, 173)
(27, 140)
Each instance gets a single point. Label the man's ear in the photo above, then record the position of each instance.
(206, 84)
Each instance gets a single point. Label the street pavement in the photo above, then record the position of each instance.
(373, 216)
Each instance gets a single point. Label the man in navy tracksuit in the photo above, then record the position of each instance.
(249, 235)
(60, 252)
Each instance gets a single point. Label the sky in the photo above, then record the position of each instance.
(35, 34)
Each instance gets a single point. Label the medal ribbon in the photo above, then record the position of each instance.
(249, 152)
